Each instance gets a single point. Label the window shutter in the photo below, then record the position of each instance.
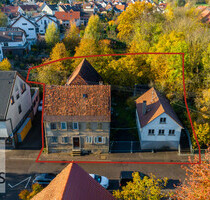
(103, 140)
(95, 140)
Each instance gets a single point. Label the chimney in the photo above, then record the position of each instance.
(144, 107)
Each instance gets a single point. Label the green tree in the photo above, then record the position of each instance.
(5, 65)
(52, 35)
(26, 195)
(148, 188)
(72, 38)
(3, 19)
(94, 29)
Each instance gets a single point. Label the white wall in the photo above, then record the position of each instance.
(42, 22)
(47, 10)
(31, 34)
(3, 129)
(156, 125)
(25, 102)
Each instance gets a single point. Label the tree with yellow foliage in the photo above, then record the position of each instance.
(55, 73)
(5, 65)
(26, 195)
(52, 35)
(141, 189)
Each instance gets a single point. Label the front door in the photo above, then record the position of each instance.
(76, 143)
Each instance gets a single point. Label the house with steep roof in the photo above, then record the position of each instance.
(157, 123)
(28, 10)
(28, 26)
(15, 101)
(77, 116)
(74, 183)
(50, 9)
(84, 74)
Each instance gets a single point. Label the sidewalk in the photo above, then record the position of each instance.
(113, 157)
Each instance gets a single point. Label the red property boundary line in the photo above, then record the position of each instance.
(122, 54)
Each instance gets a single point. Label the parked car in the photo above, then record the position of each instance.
(40, 106)
(101, 179)
(44, 179)
(126, 176)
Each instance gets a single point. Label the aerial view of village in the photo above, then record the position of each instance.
(105, 99)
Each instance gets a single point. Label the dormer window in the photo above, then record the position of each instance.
(162, 120)
(85, 96)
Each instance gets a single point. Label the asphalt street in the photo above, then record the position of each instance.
(20, 173)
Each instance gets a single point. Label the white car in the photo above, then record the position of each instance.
(101, 179)
(40, 106)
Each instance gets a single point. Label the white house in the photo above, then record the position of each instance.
(28, 26)
(50, 9)
(13, 41)
(157, 123)
(15, 101)
(44, 21)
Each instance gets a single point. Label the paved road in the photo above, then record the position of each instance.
(19, 169)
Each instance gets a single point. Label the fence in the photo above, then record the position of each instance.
(125, 147)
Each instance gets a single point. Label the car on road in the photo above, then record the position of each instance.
(40, 106)
(43, 179)
(104, 181)
(126, 176)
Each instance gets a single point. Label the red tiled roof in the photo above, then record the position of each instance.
(64, 16)
(67, 103)
(120, 7)
(84, 74)
(9, 9)
(73, 183)
(156, 105)
(205, 13)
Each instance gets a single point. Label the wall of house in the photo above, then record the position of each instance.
(43, 24)
(47, 10)
(82, 132)
(35, 100)
(3, 130)
(160, 141)
(28, 27)
(13, 115)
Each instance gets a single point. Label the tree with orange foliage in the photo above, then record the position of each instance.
(197, 183)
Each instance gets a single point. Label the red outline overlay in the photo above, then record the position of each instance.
(51, 161)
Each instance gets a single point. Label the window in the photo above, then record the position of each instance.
(23, 88)
(53, 126)
(30, 29)
(17, 95)
(85, 96)
(100, 140)
(151, 132)
(19, 109)
(65, 139)
(162, 120)
(99, 126)
(75, 125)
(161, 132)
(12, 100)
(24, 24)
(88, 125)
(63, 126)
(37, 98)
(89, 139)
(171, 132)
(6, 44)
(54, 139)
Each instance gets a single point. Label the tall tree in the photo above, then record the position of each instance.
(52, 35)
(94, 29)
(148, 188)
(196, 184)
(55, 73)
(72, 38)
(5, 65)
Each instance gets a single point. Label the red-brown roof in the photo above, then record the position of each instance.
(73, 183)
(9, 9)
(205, 13)
(64, 16)
(80, 103)
(84, 74)
(120, 7)
(156, 105)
